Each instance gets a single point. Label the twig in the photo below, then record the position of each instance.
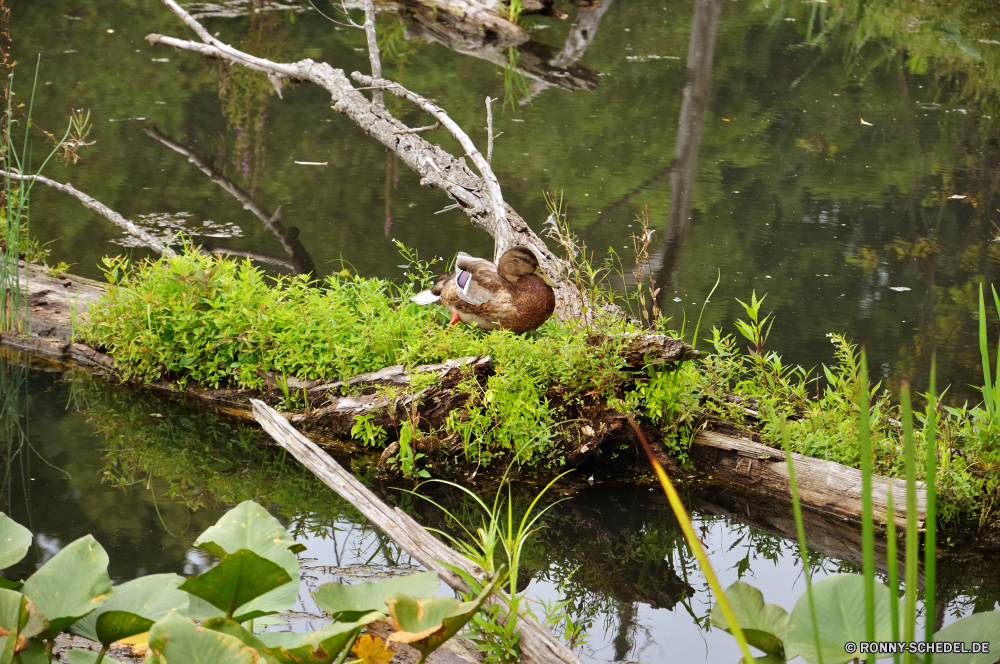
(498, 209)
(373, 50)
(417, 130)
(489, 130)
(450, 207)
(100, 208)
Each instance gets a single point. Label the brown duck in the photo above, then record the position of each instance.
(514, 295)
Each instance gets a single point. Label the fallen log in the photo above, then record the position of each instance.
(537, 645)
(825, 486)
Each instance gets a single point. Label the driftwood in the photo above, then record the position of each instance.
(825, 486)
(537, 645)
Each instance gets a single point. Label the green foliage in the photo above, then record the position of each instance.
(764, 625)
(427, 623)
(217, 322)
(14, 541)
(852, 608)
(72, 591)
(502, 535)
(351, 602)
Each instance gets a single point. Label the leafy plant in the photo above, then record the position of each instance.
(253, 578)
(851, 608)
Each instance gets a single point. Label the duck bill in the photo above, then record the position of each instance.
(546, 278)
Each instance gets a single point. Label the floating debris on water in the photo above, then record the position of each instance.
(167, 225)
(646, 58)
(899, 289)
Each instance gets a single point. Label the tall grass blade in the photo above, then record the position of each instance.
(930, 537)
(706, 567)
(912, 541)
(867, 526)
(694, 337)
(800, 529)
(996, 374)
(891, 560)
(984, 350)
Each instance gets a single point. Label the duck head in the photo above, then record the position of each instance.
(517, 262)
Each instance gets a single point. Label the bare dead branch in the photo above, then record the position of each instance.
(492, 184)
(489, 130)
(100, 208)
(373, 50)
(436, 167)
(417, 130)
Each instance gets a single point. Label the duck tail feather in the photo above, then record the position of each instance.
(425, 297)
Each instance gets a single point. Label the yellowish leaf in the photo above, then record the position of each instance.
(371, 650)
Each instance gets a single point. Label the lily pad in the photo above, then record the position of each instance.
(765, 626)
(20, 620)
(315, 648)
(70, 585)
(178, 639)
(978, 628)
(238, 580)
(348, 603)
(840, 613)
(79, 656)
(249, 526)
(428, 622)
(148, 599)
(14, 541)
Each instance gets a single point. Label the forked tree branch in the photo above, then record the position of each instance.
(479, 197)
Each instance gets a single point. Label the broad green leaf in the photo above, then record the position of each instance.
(19, 616)
(978, 628)
(7, 584)
(178, 639)
(765, 626)
(35, 654)
(14, 541)
(840, 614)
(238, 579)
(234, 629)
(427, 623)
(82, 657)
(348, 603)
(315, 648)
(148, 598)
(199, 610)
(765, 659)
(70, 585)
(249, 526)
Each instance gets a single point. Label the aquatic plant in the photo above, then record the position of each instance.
(841, 616)
(502, 534)
(257, 576)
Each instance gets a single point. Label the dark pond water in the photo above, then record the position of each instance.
(146, 476)
(840, 157)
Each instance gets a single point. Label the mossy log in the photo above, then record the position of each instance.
(590, 426)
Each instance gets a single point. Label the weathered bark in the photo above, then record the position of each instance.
(480, 22)
(479, 197)
(823, 485)
(301, 262)
(537, 645)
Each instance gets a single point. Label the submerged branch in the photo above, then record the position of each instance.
(100, 208)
